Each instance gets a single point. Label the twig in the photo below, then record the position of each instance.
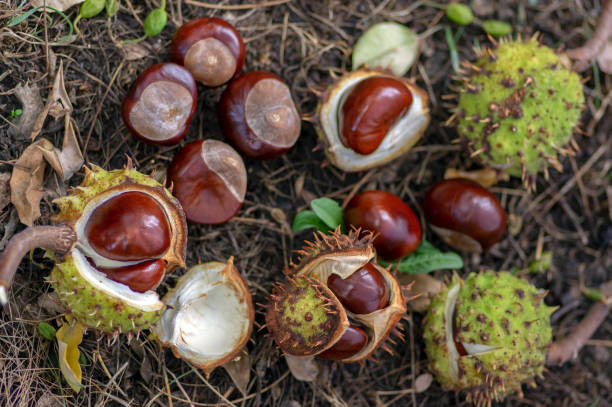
(585, 54)
(237, 6)
(568, 347)
(59, 239)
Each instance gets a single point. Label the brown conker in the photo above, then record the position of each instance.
(160, 104)
(258, 115)
(209, 179)
(464, 214)
(362, 292)
(210, 48)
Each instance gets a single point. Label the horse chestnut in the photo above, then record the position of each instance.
(258, 115)
(160, 104)
(210, 48)
(362, 292)
(209, 180)
(398, 228)
(371, 108)
(351, 342)
(464, 214)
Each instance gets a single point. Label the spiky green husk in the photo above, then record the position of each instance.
(497, 310)
(304, 317)
(95, 308)
(518, 108)
(96, 181)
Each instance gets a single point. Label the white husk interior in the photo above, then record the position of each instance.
(206, 318)
(408, 127)
(147, 301)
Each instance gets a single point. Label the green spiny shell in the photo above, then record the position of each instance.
(502, 312)
(304, 317)
(93, 307)
(518, 107)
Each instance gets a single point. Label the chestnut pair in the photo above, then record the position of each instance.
(256, 114)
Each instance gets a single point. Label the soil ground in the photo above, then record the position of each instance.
(306, 43)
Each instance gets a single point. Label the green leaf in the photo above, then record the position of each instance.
(91, 8)
(328, 211)
(386, 45)
(112, 7)
(16, 112)
(459, 13)
(426, 259)
(306, 220)
(155, 22)
(497, 28)
(542, 264)
(46, 331)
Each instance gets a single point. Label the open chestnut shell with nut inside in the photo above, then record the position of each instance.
(397, 228)
(369, 117)
(209, 179)
(160, 104)
(464, 214)
(210, 48)
(258, 115)
(336, 303)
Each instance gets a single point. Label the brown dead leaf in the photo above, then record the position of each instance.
(31, 105)
(5, 189)
(239, 369)
(69, 159)
(423, 382)
(605, 58)
(304, 368)
(26, 183)
(134, 51)
(485, 177)
(422, 284)
(61, 5)
(57, 105)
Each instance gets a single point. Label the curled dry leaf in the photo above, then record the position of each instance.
(485, 177)
(61, 5)
(304, 368)
(28, 172)
(605, 58)
(423, 284)
(31, 105)
(423, 382)
(69, 337)
(239, 369)
(57, 105)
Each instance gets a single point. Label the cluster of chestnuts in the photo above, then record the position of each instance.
(256, 114)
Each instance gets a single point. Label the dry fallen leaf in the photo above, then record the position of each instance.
(423, 382)
(69, 159)
(304, 368)
(605, 58)
(61, 5)
(485, 177)
(5, 189)
(134, 51)
(57, 105)
(31, 105)
(69, 337)
(239, 370)
(423, 284)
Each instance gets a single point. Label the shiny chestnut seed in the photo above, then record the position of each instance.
(397, 227)
(209, 179)
(466, 215)
(140, 277)
(258, 115)
(351, 342)
(370, 110)
(129, 226)
(160, 104)
(210, 48)
(363, 292)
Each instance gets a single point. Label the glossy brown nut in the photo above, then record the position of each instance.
(370, 110)
(210, 48)
(139, 277)
(160, 104)
(258, 115)
(351, 342)
(363, 292)
(209, 179)
(398, 228)
(129, 226)
(466, 215)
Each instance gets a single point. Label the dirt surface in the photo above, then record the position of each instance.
(307, 43)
